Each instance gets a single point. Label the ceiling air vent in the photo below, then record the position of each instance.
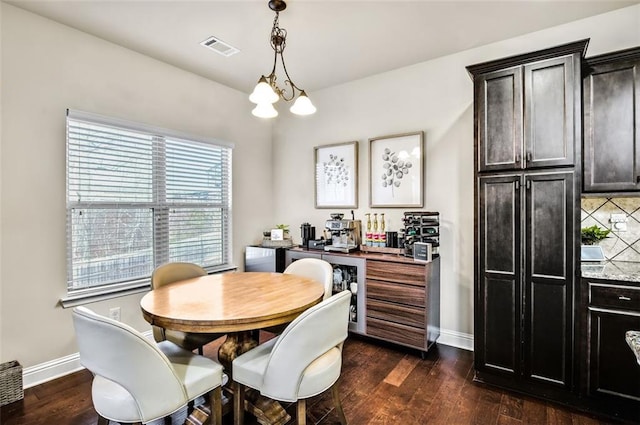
(219, 46)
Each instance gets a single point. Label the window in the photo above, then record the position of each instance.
(138, 197)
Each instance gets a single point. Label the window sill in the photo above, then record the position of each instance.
(92, 295)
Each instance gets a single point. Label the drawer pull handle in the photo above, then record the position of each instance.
(623, 298)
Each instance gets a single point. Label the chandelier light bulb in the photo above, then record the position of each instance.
(265, 110)
(303, 105)
(263, 93)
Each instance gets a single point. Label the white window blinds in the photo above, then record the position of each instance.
(138, 197)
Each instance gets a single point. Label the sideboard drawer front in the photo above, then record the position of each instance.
(403, 314)
(395, 332)
(614, 296)
(392, 292)
(408, 274)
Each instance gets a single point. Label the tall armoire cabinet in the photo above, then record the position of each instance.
(527, 123)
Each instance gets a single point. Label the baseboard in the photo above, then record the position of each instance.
(456, 339)
(38, 374)
(43, 372)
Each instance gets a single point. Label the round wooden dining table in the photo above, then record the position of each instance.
(234, 304)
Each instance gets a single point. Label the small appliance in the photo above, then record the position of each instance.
(307, 233)
(345, 234)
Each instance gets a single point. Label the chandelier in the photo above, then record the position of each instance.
(267, 92)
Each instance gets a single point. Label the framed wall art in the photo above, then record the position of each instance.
(336, 175)
(396, 171)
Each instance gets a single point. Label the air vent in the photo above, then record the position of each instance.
(219, 46)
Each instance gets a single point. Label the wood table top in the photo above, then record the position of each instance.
(230, 302)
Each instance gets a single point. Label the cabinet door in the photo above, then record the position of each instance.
(549, 277)
(498, 109)
(611, 130)
(549, 93)
(497, 318)
(613, 366)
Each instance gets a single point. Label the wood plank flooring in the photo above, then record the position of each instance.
(380, 385)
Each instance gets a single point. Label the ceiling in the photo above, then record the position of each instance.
(329, 42)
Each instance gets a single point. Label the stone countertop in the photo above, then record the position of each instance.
(633, 339)
(612, 270)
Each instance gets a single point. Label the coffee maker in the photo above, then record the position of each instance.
(307, 233)
(345, 234)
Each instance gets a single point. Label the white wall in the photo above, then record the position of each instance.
(435, 97)
(46, 68)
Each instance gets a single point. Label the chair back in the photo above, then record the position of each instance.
(313, 333)
(121, 354)
(174, 272)
(314, 268)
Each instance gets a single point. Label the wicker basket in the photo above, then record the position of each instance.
(10, 382)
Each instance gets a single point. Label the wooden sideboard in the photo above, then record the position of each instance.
(397, 298)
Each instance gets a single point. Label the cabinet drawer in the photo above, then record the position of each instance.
(394, 332)
(410, 274)
(396, 293)
(613, 296)
(403, 314)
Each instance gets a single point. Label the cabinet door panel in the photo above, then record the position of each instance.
(612, 155)
(550, 215)
(549, 120)
(547, 338)
(501, 325)
(613, 367)
(500, 224)
(549, 276)
(497, 326)
(499, 108)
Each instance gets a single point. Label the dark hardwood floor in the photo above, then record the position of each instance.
(379, 385)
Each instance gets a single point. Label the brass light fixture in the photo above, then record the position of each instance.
(267, 92)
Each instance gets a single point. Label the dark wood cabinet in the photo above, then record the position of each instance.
(527, 123)
(610, 375)
(612, 122)
(526, 109)
(613, 372)
(526, 259)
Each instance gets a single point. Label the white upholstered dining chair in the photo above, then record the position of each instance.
(137, 381)
(314, 268)
(174, 272)
(304, 361)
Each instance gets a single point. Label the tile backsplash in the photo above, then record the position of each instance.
(619, 246)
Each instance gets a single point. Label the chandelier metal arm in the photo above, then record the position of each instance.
(278, 43)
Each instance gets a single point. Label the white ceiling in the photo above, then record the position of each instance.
(329, 42)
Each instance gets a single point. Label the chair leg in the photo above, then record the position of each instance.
(201, 350)
(301, 411)
(238, 403)
(336, 401)
(215, 401)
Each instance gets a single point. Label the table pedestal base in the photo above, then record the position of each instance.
(266, 410)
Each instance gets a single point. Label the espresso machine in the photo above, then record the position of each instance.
(345, 234)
